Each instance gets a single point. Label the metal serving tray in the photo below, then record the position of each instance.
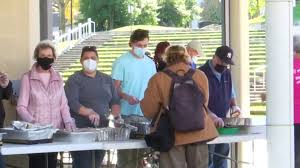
(78, 136)
(113, 134)
(237, 122)
(141, 123)
(27, 137)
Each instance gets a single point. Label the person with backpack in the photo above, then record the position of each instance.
(221, 97)
(180, 93)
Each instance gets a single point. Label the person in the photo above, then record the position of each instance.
(91, 95)
(190, 149)
(42, 99)
(159, 54)
(297, 98)
(131, 72)
(5, 93)
(194, 49)
(297, 78)
(221, 97)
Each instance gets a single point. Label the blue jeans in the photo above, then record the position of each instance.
(217, 161)
(2, 163)
(83, 159)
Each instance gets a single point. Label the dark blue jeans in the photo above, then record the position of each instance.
(216, 161)
(83, 159)
(2, 163)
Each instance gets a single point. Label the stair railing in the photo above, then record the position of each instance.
(68, 40)
(258, 80)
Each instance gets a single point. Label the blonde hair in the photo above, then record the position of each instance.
(176, 54)
(44, 45)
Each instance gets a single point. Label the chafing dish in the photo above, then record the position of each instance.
(141, 123)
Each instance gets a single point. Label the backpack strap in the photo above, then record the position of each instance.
(189, 73)
(170, 73)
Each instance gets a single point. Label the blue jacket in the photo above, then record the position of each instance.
(220, 91)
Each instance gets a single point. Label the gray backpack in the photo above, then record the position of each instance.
(186, 106)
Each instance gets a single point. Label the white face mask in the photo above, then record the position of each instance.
(140, 52)
(195, 58)
(90, 65)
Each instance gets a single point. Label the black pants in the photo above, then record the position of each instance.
(297, 145)
(39, 160)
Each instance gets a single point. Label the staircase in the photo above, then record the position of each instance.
(112, 44)
(66, 59)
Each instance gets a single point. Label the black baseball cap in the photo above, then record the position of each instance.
(225, 54)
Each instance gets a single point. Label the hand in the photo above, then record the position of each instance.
(132, 100)
(70, 126)
(94, 118)
(219, 123)
(118, 122)
(3, 80)
(236, 112)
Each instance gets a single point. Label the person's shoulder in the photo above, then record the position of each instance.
(104, 76)
(200, 75)
(26, 75)
(199, 72)
(205, 66)
(124, 56)
(123, 59)
(75, 77)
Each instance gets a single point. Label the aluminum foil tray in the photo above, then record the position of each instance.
(113, 134)
(30, 135)
(78, 136)
(237, 122)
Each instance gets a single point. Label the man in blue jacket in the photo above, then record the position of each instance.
(221, 97)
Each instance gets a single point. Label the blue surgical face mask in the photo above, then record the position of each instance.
(195, 58)
(140, 52)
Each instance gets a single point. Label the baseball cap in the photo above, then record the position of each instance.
(225, 53)
(196, 45)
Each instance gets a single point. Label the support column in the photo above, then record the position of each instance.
(46, 19)
(280, 135)
(239, 41)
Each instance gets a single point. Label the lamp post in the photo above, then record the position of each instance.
(130, 11)
(71, 13)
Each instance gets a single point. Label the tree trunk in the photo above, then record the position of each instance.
(257, 7)
(62, 23)
(111, 18)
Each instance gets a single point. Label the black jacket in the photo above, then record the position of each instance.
(5, 93)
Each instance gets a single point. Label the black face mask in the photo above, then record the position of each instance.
(220, 68)
(45, 63)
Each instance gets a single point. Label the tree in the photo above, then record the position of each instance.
(212, 11)
(60, 5)
(110, 14)
(145, 12)
(255, 7)
(174, 13)
(107, 14)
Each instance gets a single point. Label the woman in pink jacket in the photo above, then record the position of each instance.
(42, 99)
